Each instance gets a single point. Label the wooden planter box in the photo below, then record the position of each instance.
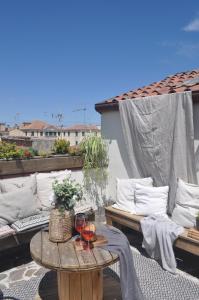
(54, 163)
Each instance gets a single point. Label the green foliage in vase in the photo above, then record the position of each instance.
(66, 193)
(61, 146)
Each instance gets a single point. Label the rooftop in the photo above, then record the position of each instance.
(179, 82)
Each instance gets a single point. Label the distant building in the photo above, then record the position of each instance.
(76, 133)
(41, 130)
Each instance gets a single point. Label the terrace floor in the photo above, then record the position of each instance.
(19, 275)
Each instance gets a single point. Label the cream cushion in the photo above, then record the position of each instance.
(14, 184)
(17, 205)
(187, 204)
(126, 190)
(151, 200)
(44, 186)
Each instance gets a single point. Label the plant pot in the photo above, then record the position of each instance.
(60, 225)
(197, 223)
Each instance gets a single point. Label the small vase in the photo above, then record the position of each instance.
(60, 225)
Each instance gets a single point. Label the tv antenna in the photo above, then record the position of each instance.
(84, 109)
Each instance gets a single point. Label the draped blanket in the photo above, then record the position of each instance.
(159, 235)
(159, 137)
(118, 243)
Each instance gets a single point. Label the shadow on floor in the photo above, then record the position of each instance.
(48, 287)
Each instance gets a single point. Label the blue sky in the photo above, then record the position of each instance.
(60, 56)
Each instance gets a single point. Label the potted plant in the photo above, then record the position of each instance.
(197, 221)
(66, 193)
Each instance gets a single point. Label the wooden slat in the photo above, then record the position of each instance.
(68, 257)
(63, 280)
(75, 287)
(50, 254)
(102, 256)
(86, 286)
(35, 247)
(97, 280)
(86, 259)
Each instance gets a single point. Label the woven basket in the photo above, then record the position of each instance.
(60, 225)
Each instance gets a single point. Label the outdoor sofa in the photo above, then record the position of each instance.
(138, 197)
(120, 218)
(23, 218)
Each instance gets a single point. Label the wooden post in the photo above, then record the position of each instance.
(84, 286)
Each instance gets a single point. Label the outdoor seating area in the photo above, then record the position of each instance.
(144, 240)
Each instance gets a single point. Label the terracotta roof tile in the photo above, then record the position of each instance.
(179, 82)
(80, 127)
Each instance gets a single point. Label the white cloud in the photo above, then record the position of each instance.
(192, 26)
(182, 48)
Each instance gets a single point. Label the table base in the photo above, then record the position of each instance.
(84, 286)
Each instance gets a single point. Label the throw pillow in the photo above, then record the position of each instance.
(17, 205)
(13, 184)
(125, 192)
(151, 200)
(44, 186)
(187, 204)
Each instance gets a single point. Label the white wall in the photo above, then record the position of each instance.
(111, 130)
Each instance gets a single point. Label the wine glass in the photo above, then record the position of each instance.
(80, 222)
(88, 233)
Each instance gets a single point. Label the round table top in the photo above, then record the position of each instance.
(65, 256)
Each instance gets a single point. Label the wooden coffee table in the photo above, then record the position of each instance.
(79, 273)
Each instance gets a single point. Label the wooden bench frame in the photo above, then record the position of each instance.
(133, 221)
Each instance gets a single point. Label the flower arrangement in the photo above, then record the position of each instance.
(66, 193)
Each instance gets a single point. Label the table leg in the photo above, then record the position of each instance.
(84, 286)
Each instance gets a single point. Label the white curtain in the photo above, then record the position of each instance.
(159, 136)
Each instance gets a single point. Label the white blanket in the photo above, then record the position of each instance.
(159, 235)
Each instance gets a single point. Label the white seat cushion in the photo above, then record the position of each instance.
(151, 200)
(187, 204)
(126, 190)
(17, 205)
(44, 186)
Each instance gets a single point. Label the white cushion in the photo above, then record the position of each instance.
(187, 204)
(44, 185)
(151, 200)
(17, 205)
(125, 192)
(14, 184)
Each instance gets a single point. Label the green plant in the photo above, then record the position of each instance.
(74, 150)
(61, 146)
(33, 151)
(9, 151)
(44, 154)
(95, 163)
(94, 151)
(66, 193)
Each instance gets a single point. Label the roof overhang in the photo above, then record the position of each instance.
(114, 106)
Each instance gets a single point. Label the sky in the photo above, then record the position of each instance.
(59, 58)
